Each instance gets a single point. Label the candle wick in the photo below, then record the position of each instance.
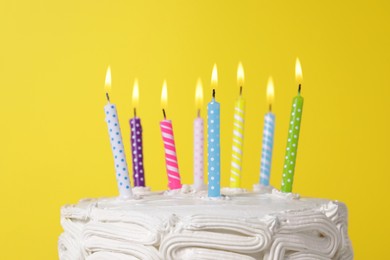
(135, 112)
(299, 89)
(165, 115)
(198, 112)
(240, 90)
(108, 97)
(270, 108)
(213, 93)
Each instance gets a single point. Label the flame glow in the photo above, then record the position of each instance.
(270, 91)
(214, 77)
(107, 85)
(164, 95)
(199, 94)
(298, 71)
(240, 75)
(135, 94)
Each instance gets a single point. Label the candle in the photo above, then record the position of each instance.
(198, 139)
(213, 142)
(293, 135)
(238, 133)
(171, 164)
(114, 131)
(268, 137)
(136, 142)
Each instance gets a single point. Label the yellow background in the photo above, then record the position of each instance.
(54, 142)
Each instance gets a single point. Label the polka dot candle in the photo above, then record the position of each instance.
(213, 141)
(137, 152)
(213, 149)
(198, 153)
(122, 174)
(293, 136)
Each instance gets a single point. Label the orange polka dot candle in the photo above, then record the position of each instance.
(293, 135)
(118, 151)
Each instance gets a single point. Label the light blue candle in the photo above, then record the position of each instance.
(266, 153)
(268, 138)
(213, 144)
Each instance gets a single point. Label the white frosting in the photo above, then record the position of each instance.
(182, 224)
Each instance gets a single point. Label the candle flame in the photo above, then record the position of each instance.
(270, 91)
(164, 95)
(298, 71)
(107, 85)
(240, 75)
(135, 94)
(199, 94)
(214, 77)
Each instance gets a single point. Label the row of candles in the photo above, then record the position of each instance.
(213, 139)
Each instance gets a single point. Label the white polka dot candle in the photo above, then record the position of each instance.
(268, 138)
(172, 166)
(198, 140)
(136, 142)
(114, 131)
(238, 134)
(293, 136)
(213, 142)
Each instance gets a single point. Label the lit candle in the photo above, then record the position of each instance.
(136, 142)
(198, 139)
(293, 135)
(213, 142)
(268, 137)
(114, 131)
(171, 164)
(238, 133)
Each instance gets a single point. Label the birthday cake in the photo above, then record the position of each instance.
(185, 224)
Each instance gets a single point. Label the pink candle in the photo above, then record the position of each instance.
(172, 166)
(198, 140)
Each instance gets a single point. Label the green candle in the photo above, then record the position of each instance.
(293, 135)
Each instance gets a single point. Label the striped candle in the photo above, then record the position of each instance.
(171, 164)
(213, 143)
(238, 134)
(268, 138)
(293, 137)
(118, 151)
(266, 153)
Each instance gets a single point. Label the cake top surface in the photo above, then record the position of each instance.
(181, 203)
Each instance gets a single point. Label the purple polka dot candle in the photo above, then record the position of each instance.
(118, 151)
(136, 142)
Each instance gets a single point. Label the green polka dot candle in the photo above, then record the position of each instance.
(293, 136)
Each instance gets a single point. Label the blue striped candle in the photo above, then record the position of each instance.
(213, 143)
(268, 138)
(266, 153)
